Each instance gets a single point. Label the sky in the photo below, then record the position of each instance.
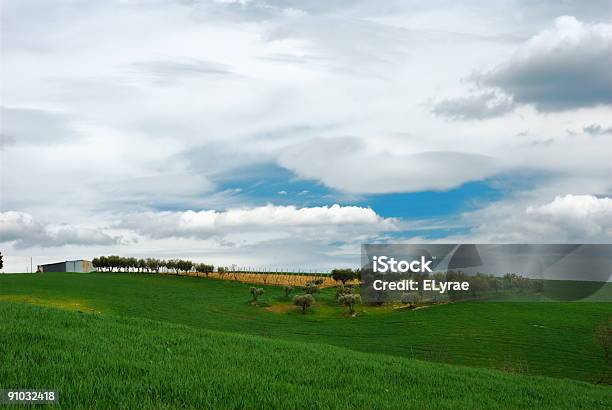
(284, 134)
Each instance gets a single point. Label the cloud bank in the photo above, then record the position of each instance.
(23, 231)
(567, 218)
(289, 219)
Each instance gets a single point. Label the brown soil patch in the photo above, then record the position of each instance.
(279, 308)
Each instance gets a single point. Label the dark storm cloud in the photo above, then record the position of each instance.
(561, 69)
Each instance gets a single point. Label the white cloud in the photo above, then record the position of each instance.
(350, 165)
(566, 218)
(582, 216)
(324, 220)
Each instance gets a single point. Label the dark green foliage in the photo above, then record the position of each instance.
(153, 265)
(287, 289)
(122, 264)
(204, 268)
(343, 275)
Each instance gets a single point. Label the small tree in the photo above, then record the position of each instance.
(205, 268)
(256, 292)
(152, 265)
(350, 300)
(311, 288)
(95, 262)
(1, 261)
(288, 289)
(342, 275)
(316, 282)
(344, 290)
(131, 263)
(304, 301)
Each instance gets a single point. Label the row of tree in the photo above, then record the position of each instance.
(114, 263)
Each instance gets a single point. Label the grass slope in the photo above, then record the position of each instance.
(552, 338)
(101, 361)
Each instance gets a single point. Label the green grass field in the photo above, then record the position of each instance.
(169, 341)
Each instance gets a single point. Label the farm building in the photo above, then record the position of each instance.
(67, 266)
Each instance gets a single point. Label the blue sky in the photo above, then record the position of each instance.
(270, 132)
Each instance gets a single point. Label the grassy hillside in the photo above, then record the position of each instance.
(106, 361)
(552, 339)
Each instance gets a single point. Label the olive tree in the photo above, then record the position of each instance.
(350, 300)
(153, 265)
(342, 275)
(303, 301)
(256, 292)
(344, 290)
(311, 288)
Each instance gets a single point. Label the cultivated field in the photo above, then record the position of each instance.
(157, 337)
(263, 278)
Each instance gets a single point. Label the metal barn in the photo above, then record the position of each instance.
(67, 266)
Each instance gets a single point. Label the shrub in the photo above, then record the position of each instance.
(256, 292)
(349, 300)
(288, 289)
(303, 301)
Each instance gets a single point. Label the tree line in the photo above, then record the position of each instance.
(115, 263)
